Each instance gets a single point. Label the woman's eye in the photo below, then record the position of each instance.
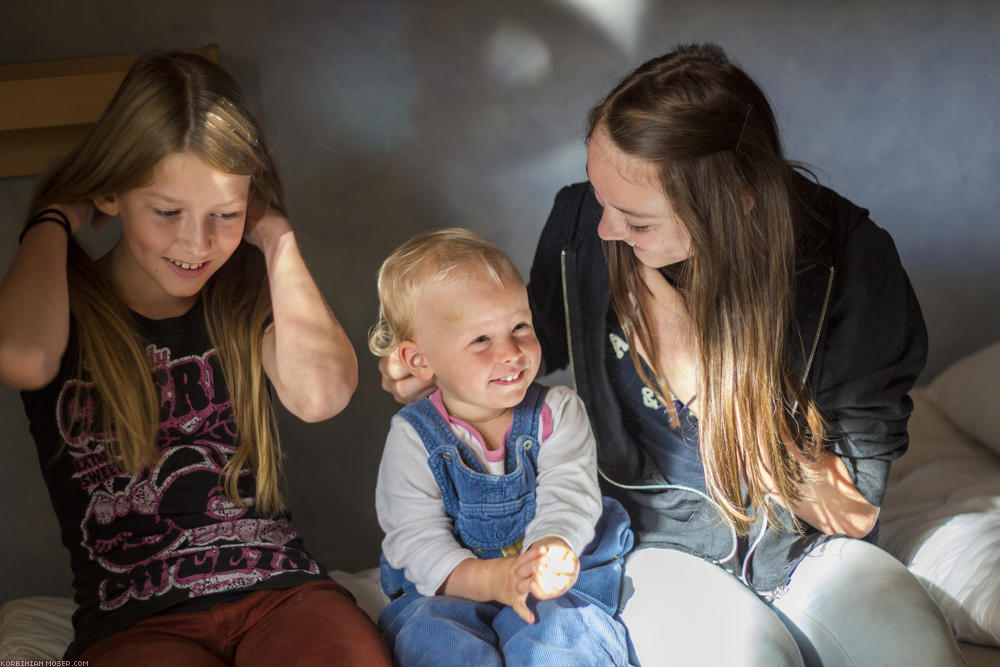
(637, 228)
(167, 213)
(228, 215)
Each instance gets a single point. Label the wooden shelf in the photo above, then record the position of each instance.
(47, 107)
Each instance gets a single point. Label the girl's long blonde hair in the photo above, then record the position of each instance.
(167, 103)
(711, 134)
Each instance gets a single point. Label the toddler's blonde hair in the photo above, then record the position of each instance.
(432, 256)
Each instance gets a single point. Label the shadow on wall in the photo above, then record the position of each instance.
(464, 134)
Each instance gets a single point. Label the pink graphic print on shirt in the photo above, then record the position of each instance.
(171, 526)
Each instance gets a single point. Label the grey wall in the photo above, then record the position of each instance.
(389, 117)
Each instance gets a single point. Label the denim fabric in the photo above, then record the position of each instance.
(443, 630)
(489, 515)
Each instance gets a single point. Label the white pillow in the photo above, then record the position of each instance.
(365, 586)
(958, 561)
(941, 518)
(36, 628)
(968, 393)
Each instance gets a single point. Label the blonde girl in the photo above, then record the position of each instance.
(148, 376)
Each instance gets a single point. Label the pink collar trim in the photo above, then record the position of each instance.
(492, 455)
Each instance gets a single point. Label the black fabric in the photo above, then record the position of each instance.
(166, 539)
(872, 344)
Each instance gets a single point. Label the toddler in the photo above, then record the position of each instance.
(498, 548)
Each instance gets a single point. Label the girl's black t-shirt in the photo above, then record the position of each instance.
(167, 539)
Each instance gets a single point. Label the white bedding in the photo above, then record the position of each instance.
(941, 518)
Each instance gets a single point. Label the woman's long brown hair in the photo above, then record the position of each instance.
(167, 103)
(710, 133)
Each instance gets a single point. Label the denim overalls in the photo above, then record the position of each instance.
(489, 515)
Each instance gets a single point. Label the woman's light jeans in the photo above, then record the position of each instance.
(848, 603)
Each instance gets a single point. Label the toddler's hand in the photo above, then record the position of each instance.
(557, 571)
(513, 580)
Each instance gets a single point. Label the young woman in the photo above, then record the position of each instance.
(743, 339)
(148, 378)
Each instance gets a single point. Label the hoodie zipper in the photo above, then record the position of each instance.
(569, 332)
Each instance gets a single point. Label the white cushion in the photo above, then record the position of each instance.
(365, 587)
(968, 393)
(38, 627)
(941, 518)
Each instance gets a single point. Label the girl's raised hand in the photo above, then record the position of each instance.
(79, 213)
(264, 225)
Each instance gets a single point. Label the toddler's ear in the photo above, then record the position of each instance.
(415, 361)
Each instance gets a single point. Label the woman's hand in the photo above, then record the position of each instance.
(833, 505)
(557, 571)
(672, 332)
(397, 380)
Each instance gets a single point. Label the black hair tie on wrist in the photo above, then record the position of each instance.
(47, 215)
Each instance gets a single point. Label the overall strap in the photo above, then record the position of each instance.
(525, 425)
(436, 433)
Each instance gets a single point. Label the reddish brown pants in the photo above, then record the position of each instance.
(312, 624)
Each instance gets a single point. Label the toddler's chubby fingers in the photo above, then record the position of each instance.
(526, 567)
(561, 560)
(521, 607)
(557, 574)
(549, 584)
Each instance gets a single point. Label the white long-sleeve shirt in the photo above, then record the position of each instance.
(418, 533)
